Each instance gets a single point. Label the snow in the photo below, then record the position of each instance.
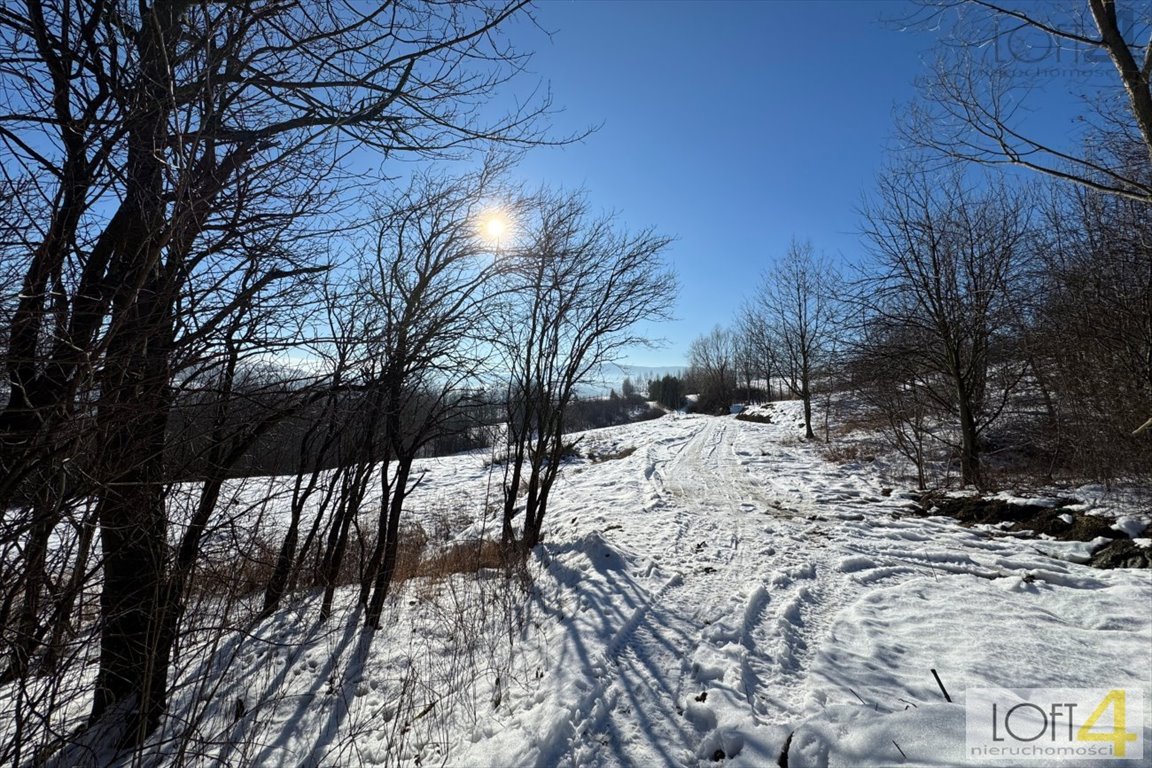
(1047, 502)
(718, 593)
(1131, 526)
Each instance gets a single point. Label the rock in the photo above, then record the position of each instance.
(1055, 521)
(1082, 528)
(1122, 553)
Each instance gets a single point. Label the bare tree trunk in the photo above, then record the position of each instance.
(310, 467)
(969, 445)
(61, 621)
(806, 397)
(390, 536)
(352, 492)
(133, 528)
(28, 630)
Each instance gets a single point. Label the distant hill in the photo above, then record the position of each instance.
(612, 376)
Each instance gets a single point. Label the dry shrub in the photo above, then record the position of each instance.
(247, 570)
(239, 573)
(235, 572)
(861, 422)
(445, 522)
(412, 542)
(843, 453)
(463, 557)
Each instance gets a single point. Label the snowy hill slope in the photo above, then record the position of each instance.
(713, 592)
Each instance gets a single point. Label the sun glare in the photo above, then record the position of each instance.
(494, 226)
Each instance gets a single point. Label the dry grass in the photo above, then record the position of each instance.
(412, 543)
(463, 557)
(236, 572)
(244, 573)
(622, 453)
(444, 522)
(844, 453)
(861, 422)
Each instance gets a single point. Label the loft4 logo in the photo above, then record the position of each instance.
(1054, 723)
(1098, 726)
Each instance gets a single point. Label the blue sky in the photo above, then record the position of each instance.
(734, 126)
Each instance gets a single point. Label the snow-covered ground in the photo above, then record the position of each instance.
(719, 595)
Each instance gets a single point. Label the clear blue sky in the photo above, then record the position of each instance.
(733, 126)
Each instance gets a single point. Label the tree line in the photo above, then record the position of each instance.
(990, 319)
(985, 321)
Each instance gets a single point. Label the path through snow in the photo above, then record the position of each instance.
(792, 594)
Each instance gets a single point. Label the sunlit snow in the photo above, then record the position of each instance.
(717, 592)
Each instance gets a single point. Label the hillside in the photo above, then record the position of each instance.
(710, 591)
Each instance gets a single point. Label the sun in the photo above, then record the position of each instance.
(494, 226)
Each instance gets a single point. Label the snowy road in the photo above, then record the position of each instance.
(779, 580)
(727, 649)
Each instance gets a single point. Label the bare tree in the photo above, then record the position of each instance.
(712, 369)
(947, 264)
(427, 291)
(797, 305)
(754, 356)
(756, 352)
(890, 378)
(580, 286)
(1089, 330)
(156, 131)
(976, 105)
(339, 433)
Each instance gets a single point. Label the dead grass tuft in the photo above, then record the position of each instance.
(236, 572)
(239, 573)
(844, 453)
(623, 453)
(861, 423)
(462, 557)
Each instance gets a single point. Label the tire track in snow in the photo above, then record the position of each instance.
(675, 656)
(772, 542)
(557, 747)
(657, 675)
(767, 610)
(635, 660)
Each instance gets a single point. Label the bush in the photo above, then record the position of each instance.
(714, 401)
(648, 414)
(843, 453)
(462, 557)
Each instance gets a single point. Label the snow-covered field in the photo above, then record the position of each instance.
(720, 595)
